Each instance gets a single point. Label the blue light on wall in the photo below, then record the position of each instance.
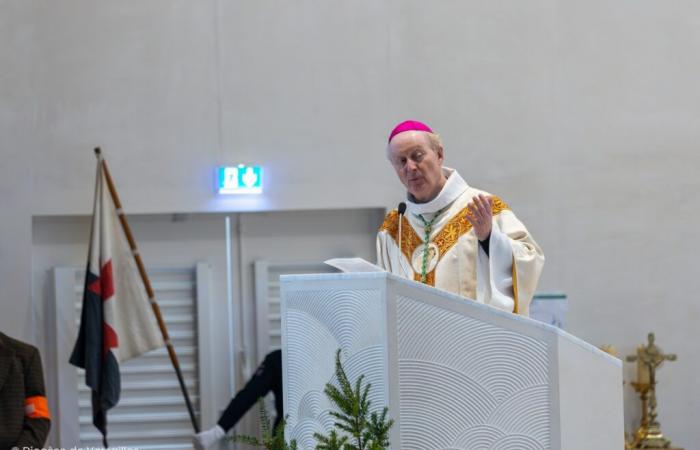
(240, 179)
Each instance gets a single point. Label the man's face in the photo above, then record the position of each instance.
(417, 164)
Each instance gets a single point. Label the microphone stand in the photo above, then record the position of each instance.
(401, 210)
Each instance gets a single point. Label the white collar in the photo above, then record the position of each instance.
(453, 188)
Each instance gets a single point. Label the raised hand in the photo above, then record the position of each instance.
(479, 214)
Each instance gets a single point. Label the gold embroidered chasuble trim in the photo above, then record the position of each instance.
(445, 239)
(516, 307)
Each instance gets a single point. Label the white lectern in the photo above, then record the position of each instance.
(455, 374)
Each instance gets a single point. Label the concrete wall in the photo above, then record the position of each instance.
(584, 116)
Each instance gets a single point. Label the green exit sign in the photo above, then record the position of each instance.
(240, 179)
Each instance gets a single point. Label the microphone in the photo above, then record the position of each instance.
(402, 209)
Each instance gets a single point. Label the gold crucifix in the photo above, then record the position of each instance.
(649, 358)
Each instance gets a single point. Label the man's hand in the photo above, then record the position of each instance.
(479, 214)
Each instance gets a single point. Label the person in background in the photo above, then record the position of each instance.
(24, 413)
(268, 377)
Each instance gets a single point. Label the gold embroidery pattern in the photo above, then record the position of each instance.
(445, 240)
(516, 308)
(409, 239)
(429, 278)
(459, 225)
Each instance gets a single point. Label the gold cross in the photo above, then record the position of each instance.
(651, 356)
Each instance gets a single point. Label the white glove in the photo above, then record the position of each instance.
(205, 439)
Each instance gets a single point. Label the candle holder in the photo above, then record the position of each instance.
(635, 440)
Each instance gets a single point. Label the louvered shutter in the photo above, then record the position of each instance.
(267, 299)
(151, 413)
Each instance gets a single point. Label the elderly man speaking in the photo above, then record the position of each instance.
(451, 235)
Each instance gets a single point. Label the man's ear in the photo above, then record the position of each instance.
(440, 153)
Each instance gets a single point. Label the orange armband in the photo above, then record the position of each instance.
(36, 407)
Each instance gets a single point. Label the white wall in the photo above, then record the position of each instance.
(18, 142)
(584, 116)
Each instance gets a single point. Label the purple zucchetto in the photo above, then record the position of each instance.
(409, 125)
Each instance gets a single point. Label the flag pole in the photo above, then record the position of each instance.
(147, 284)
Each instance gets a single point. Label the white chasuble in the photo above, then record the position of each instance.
(506, 278)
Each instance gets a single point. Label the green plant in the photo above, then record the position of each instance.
(359, 429)
(330, 442)
(272, 438)
(355, 427)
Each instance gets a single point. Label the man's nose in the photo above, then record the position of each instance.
(411, 165)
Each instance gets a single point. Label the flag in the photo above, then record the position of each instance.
(117, 322)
